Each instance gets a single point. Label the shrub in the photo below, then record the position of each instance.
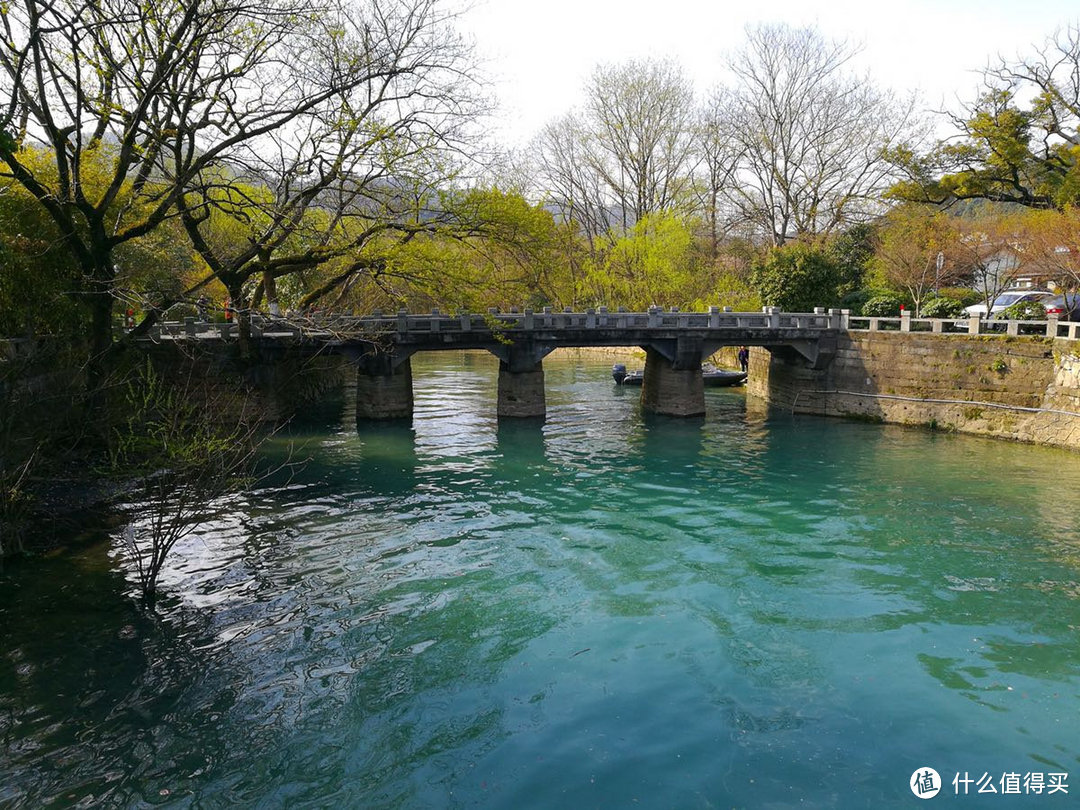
(882, 306)
(1023, 311)
(942, 308)
(855, 300)
(798, 277)
(965, 296)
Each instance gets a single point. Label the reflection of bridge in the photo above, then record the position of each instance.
(675, 344)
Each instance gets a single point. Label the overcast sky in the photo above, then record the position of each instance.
(540, 53)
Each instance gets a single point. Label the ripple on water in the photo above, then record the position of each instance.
(602, 609)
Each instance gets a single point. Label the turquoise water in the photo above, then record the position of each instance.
(600, 610)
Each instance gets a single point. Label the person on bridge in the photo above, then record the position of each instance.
(744, 357)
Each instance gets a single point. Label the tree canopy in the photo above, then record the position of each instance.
(1018, 142)
(162, 100)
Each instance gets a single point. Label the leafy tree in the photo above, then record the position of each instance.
(729, 289)
(915, 251)
(38, 278)
(853, 250)
(650, 264)
(1019, 140)
(798, 277)
(162, 99)
(487, 247)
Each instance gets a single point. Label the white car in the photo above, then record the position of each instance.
(1006, 300)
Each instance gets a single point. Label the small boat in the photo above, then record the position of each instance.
(719, 377)
(710, 375)
(624, 377)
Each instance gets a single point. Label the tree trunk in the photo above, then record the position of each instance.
(243, 318)
(98, 290)
(270, 288)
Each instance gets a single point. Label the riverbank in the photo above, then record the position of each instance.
(1024, 389)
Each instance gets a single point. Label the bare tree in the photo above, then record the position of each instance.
(141, 107)
(990, 250)
(567, 180)
(718, 155)
(810, 135)
(639, 117)
(184, 443)
(627, 154)
(1053, 237)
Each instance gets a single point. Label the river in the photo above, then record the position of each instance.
(603, 610)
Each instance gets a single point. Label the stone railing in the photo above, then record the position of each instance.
(331, 326)
(493, 320)
(1052, 327)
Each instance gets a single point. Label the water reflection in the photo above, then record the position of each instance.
(596, 609)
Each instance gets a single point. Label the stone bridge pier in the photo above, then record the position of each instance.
(384, 383)
(383, 387)
(673, 385)
(521, 379)
(675, 344)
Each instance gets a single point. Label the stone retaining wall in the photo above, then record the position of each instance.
(284, 384)
(1021, 388)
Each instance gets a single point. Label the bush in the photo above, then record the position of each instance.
(798, 277)
(1023, 311)
(856, 300)
(882, 306)
(965, 296)
(942, 308)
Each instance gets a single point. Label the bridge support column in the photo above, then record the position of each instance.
(383, 391)
(673, 388)
(521, 393)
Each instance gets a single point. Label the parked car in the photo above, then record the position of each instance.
(1066, 306)
(1006, 300)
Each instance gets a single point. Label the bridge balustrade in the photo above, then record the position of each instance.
(1052, 327)
(494, 321)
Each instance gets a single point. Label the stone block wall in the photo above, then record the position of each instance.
(1020, 388)
(286, 383)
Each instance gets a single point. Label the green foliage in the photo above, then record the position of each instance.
(942, 308)
(650, 264)
(491, 249)
(44, 291)
(1009, 153)
(964, 296)
(882, 306)
(729, 289)
(853, 251)
(856, 301)
(1023, 311)
(798, 277)
(39, 283)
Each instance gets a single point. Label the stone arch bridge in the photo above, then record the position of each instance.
(675, 344)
